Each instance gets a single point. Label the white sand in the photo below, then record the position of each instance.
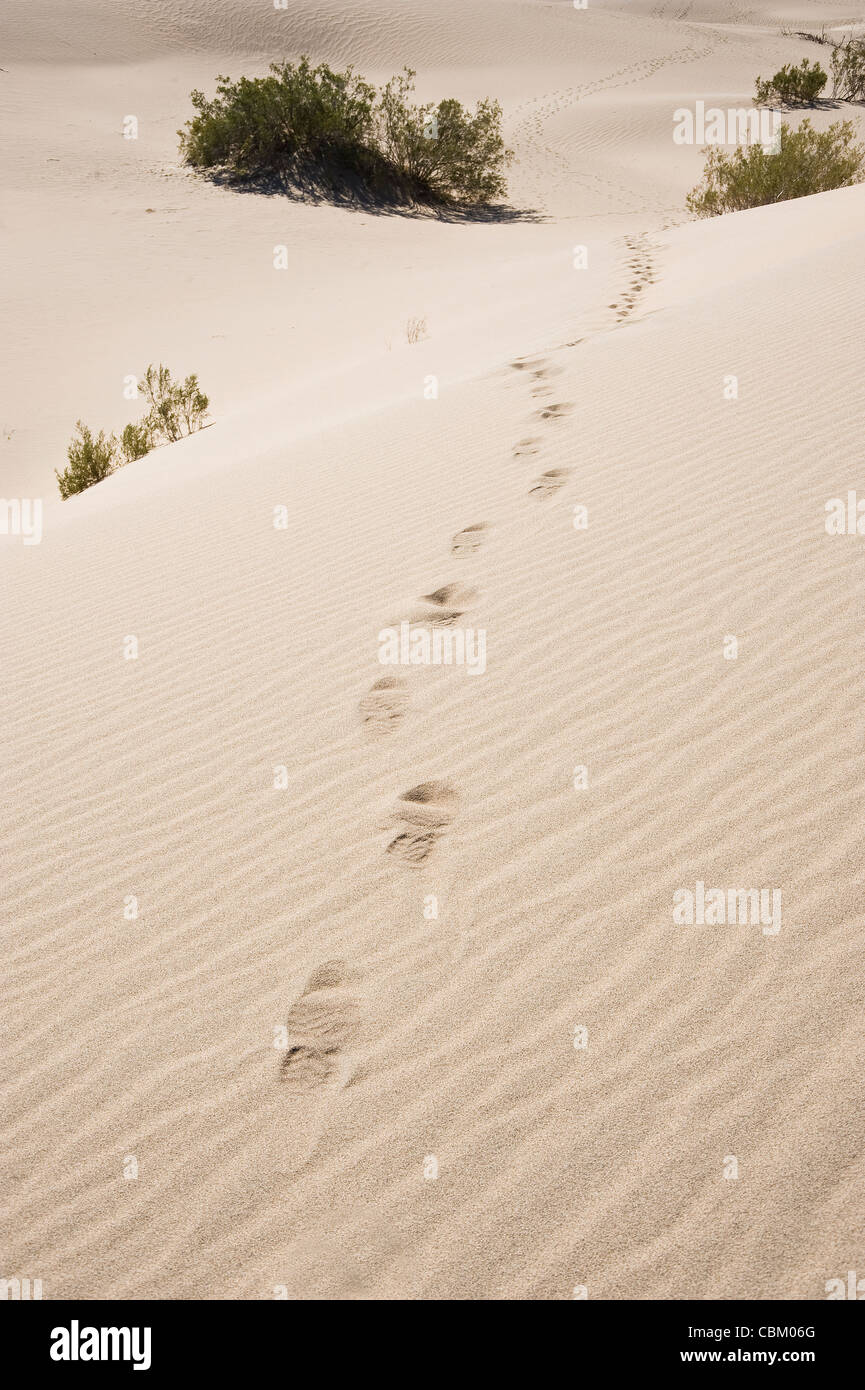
(448, 1038)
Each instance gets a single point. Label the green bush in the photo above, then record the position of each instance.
(173, 405)
(176, 409)
(135, 442)
(314, 128)
(90, 460)
(848, 70)
(792, 86)
(298, 119)
(808, 161)
(443, 151)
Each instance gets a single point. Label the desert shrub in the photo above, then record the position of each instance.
(297, 121)
(808, 161)
(809, 35)
(173, 404)
(135, 442)
(314, 128)
(848, 70)
(443, 151)
(176, 408)
(90, 460)
(792, 86)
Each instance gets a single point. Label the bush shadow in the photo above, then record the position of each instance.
(353, 192)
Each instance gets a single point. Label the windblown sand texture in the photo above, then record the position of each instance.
(282, 1039)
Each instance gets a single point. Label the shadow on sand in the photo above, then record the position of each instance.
(353, 193)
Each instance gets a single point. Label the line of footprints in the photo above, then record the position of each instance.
(325, 1018)
(423, 813)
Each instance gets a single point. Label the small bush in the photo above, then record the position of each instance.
(135, 442)
(173, 405)
(792, 86)
(90, 460)
(808, 161)
(848, 70)
(317, 129)
(809, 35)
(176, 409)
(443, 152)
(415, 330)
(299, 120)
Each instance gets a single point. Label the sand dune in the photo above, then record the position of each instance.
(337, 1028)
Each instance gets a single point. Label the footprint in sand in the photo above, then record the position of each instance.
(424, 812)
(540, 376)
(467, 541)
(526, 448)
(555, 412)
(319, 1025)
(384, 705)
(539, 369)
(528, 364)
(549, 482)
(444, 606)
(641, 266)
(450, 595)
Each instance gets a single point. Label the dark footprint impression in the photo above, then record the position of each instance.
(558, 411)
(641, 266)
(450, 595)
(526, 448)
(320, 1024)
(384, 705)
(539, 369)
(467, 541)
(549, 482)
(425, 812)
(445, 606)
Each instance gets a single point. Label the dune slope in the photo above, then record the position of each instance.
(299, 947)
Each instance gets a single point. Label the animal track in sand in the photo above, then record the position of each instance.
(549, 482)
(558, 411)
(424, 811)
(385, 704)
(319, 1025)
(467, 541)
